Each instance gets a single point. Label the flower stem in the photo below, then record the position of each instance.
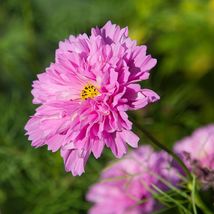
(201, 204)
(197, 198)
(163, 147)
(193, 194)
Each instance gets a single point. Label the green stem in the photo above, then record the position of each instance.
(193, 194)
(199, 203)
(161, 146)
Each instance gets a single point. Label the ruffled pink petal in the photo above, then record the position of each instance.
(111, 33)
(74, 160)
(130, 138)
(144, 97)
(97, 148)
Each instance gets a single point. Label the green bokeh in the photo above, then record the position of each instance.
(180, 34)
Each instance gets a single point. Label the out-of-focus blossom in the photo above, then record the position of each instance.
(197, 151)
(125, 187)
(85, 93)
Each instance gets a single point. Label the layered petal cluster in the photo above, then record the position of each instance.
(197, 151)
(125, 186)
(85, 94)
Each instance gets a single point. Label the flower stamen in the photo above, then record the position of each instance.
(89, 91)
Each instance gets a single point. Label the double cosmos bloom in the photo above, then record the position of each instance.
(85, 94)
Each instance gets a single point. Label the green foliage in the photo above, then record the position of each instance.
(180, 34)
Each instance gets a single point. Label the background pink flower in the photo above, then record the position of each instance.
(124, 187)
(197, 151)
(200, 146)
(85, 93)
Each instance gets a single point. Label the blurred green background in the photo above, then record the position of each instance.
(179, 33)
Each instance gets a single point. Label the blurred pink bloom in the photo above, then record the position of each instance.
(85, 93)
(125, 187)
(199, 146)
(197, 151)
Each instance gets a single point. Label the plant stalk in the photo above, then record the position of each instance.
(163, 147)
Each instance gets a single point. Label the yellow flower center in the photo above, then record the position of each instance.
(89, 91)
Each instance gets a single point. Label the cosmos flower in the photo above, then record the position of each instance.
(85, 94)
(199, 146)
(197, 151)
(125, 187)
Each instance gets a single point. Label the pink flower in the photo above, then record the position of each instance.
(199, 146)
(197, 151)
(125, 187)
(85, 93)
